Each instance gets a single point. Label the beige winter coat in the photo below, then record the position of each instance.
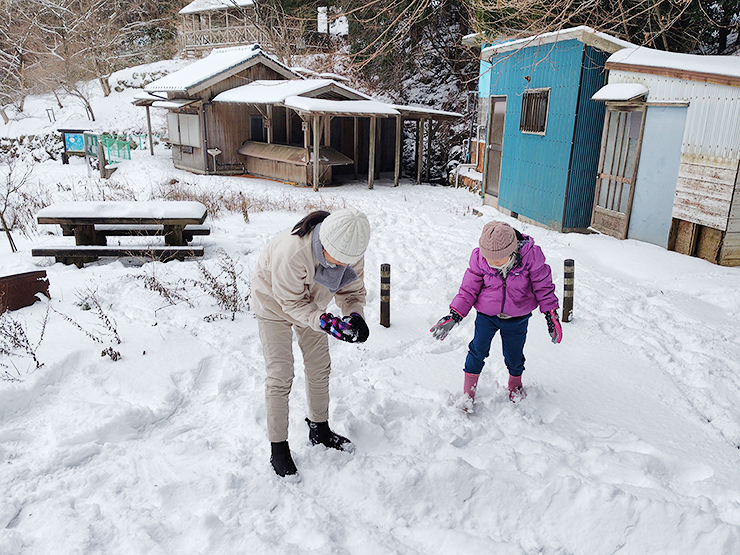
(283, 286)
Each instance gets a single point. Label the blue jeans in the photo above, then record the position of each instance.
(513, 336)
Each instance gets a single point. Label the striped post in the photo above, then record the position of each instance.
(568, 282)
(385, 295)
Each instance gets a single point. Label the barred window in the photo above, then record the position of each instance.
(535, 105)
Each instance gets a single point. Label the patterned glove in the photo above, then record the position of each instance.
(445, 324)
(357, 327)
(336, 327)
(553, 326)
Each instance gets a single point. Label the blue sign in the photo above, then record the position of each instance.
(74, 142)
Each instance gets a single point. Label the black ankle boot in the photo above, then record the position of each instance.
(281, 460)
(319, 432)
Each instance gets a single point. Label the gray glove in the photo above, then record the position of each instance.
(445, 324)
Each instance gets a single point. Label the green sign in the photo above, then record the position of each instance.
(91, 145)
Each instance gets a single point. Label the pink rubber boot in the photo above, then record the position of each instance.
(516, 391)
(471, 384)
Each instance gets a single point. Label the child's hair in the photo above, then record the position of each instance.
(307, 224)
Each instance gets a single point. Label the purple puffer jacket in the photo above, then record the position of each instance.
(527, 286)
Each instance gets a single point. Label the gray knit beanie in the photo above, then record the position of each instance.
(497, 241)
(345, 234)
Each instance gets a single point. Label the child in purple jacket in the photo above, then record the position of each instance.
(506, 280)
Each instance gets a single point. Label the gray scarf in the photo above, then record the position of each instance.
(331, 276)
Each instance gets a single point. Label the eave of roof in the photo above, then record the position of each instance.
(620, 92)
(721, 70)
(583, 33)
(199, 6)
(275, 92)
(420, 111)
(318, 106)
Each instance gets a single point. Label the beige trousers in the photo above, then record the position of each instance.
(277, 347)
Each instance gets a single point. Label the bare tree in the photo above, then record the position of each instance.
(671, 25)
(280, 33)
(53, 44)
(16, 57)
(13, 181)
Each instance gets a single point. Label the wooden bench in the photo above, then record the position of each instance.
(119, 230)
(91, 223)
(80, 254)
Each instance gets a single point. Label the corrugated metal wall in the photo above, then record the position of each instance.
(534, 172)
(586, 143)
(707, 190)
(713, 118)
(710, 149)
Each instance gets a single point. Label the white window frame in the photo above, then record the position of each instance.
(530, 93)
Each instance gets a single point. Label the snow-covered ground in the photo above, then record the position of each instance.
(628, 441)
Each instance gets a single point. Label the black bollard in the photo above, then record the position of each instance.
(568, 282)
(385, 295)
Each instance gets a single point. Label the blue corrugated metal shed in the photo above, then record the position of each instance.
(550, 178)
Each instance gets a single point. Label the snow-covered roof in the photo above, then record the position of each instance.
(317, 75)
(146, 96)
(220, 62)
(620, 91)
(345, 107)
(583, 33)
(686, 66)
(473, 39)
(212, 5)
(173, 104)
(427, 111)
(302, 93)
(272, 92)
(155, 209)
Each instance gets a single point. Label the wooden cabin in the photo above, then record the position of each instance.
(669, 170)
(195, 125)
(240, 111)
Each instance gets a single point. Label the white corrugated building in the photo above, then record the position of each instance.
(670, 153)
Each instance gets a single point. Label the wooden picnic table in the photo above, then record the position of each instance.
(80, 218)
(92, 222)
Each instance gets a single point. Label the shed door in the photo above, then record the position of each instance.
(655, 185)
(494, 146)
(615, 181)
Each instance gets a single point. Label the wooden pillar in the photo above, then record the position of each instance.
(149, 128)
(204, 137)
(371, 155)
(385, 295)
(568, 283)
(378, 142)
(268, 124)
(429, 149)
(102, 162)
(288, 127)
(316, 141)
(357, 147)
(419, 149)
(306, 142)
(399, 142)
(306, 137)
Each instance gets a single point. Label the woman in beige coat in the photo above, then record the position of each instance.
(297, 275)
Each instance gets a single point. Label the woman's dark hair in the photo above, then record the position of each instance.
(307, 224)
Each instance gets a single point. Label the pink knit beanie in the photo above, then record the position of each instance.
(497, 241)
